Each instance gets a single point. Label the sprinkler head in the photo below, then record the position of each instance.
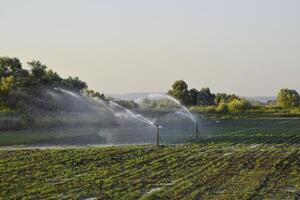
(157, 125)
(196, 130)
(157, 134)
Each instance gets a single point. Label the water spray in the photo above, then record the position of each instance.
(184, 110)
(136, 116)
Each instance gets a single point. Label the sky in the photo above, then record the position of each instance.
(250, 48)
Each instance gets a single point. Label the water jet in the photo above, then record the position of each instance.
(117, 109)
(184, 110)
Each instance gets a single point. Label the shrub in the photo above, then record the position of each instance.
(239, 105)
(203, 109)
(222, 107)
(288, 98)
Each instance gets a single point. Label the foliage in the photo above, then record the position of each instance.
(6, 84)
(38, 71)
(180, 91)
(203, 109)
(288, 98)
(238, 105)
(191, 97)
(204, 101)
(14, 78)
(74, 84)
(158, 104)
(127, 104)
(52, 78)
(224, 98)
(205, 97)
(13, 67)
(222, 107)
(38, 75)
(92, 93)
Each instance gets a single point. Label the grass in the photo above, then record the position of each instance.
(237, 162)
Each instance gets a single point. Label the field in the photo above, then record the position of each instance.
(171, 133)
(235, 160)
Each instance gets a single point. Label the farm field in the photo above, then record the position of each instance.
(171, 133)
(150, 100)
(253, 163)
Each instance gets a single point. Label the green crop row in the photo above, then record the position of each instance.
(264, 167)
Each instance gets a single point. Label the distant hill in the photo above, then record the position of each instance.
(131, 96)
(136, 95)
(263, 99)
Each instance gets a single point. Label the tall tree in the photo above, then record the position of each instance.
(288, 98)
(239, 105)
(6, 83)
(225, 98)
(13, 67)
(180, 91)
(74, 84)
(193, 97)
(205, 97)
(38, 70)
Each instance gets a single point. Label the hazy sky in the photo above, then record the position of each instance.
(245, 47)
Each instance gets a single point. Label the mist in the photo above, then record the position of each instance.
(65, 117)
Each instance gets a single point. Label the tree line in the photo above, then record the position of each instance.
(222, 102)
(14, 77)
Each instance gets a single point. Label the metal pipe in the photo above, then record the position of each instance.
(157, 133)
(157, 136)
(196, 130)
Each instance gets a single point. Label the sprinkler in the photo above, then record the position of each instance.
(157, 133)
(196, 130)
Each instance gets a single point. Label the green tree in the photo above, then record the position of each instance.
(287, 98)
(222, 107)
(180, 91)
(38, 72)
(13, 67)
(74, 84)
(128, 104)
(10, 66)
(6, 85)
(239, 105)
(193, 97)
(205, 97)
(52, 78)
(93, 93)
(223, 97)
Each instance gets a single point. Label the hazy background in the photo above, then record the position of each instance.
(244, 47)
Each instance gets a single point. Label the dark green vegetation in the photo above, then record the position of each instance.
(243, 159)
(222, 105)
(20, 87)
(16, 83)
(37, 99)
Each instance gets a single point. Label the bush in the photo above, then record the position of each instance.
(203, 109)
(222, 107)
(288, 98)
(239, 105)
